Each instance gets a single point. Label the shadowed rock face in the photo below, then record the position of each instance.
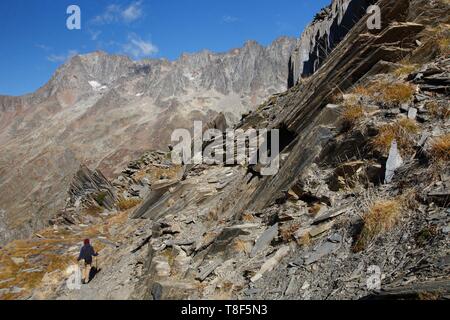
(104, 110)
(323, 34)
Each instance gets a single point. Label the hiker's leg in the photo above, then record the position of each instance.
(88, 273)
(86, 270)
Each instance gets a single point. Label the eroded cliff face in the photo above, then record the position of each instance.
(323, 34)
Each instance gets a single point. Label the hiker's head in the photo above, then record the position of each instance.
(86, 241)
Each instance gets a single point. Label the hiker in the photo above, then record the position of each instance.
(86, 254)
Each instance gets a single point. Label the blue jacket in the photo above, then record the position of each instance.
(86, 253)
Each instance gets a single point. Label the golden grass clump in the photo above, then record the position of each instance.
(125, 204)
(386, 92)
(248, 217)
(361, 90)
(380, 218)
(397, 92)
(240, 245)
(440, 149)
(287, 232)
(405, 69)
(443, 42)
(402, 131)
(352, 113)
(305, 240)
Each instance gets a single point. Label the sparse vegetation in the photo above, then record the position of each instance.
(440, 149)
(93, 210)
(402, 131)
(304, 240)
(430, 296)
(380, 218)
(314, 209)
(397, 92)
(425, 236)
(287, 232)
(125, 204)
(100, 198)
(437, 110)
(241, 246)
(351, 114)
(405, 69)
(443, 42)
(247, 217)
(386, 92)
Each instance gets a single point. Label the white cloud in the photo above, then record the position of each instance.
(62, 57)
(43, 47)
(139, 48)
(133, 12)
(229, 19)
(116, 13)
(110, 15)
(94, 34)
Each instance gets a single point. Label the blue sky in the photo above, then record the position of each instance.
(35, 39)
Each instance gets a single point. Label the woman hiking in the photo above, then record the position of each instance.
(86, 254)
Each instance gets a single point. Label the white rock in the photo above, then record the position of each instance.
(394, 162)
(412, 113)
(270, 264)
(18, 260)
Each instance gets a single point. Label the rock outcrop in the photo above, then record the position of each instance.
(323, 34)
(92, 185)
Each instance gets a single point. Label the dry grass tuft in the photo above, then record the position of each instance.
(386, 92)
(93, 210)
(248, 217)
(304, 240)
(405, 70)
(351, 114)
(380, 218)
(443, 42)
(287, 232)
(125, 204)
(360, 90)
(440, 149)
(402, 131)
(397, 93)
(430, 296)
(437, 110)
(240, 245)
